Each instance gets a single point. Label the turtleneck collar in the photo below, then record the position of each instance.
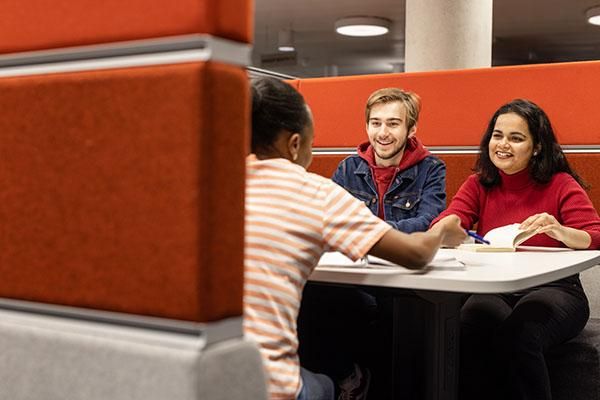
(517, 181)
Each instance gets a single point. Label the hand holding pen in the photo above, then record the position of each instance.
(477, 237)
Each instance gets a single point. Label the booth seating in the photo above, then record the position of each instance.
(123, 135)
(456, 108)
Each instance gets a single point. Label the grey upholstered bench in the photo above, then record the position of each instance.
(96, 356)
(574, 367)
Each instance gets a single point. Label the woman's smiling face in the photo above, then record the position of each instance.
(511, 145)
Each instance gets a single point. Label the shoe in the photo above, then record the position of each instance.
(355, 386)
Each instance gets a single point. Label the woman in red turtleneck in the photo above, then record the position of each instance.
(522, 176)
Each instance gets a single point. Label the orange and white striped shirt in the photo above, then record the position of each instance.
(292, 217)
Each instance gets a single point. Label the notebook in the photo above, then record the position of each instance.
(443, 258)
(337, 259)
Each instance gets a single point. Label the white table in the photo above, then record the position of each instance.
(426, 306)
(493, 273)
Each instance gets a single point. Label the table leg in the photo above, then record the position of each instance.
(418, 340)
(425, 343)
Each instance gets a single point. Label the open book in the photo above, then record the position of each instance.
(504, 238)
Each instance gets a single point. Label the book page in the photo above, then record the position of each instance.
(503, 236)
(523, 236)
(443, 258)
(337, 259)
(373, 260)
(376, 262)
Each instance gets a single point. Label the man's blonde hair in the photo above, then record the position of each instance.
(411, 101)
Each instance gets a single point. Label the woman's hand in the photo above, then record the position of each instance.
(546, 223)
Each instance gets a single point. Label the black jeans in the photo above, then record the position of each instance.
(335, 328)
(504, 338)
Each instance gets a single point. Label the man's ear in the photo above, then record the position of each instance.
(294, 142)
(413, 131)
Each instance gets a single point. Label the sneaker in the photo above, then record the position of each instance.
(355, 386)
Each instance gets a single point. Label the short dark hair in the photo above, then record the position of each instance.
(276, 107)
(550, 158)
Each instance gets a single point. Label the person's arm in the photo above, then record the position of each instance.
(431, 204)
(465, 203)
(417, 249)
(351, 228)
(577, 225)
(546, 223)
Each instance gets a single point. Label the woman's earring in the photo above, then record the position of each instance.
(535, 153)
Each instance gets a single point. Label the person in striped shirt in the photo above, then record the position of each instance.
(292, 217)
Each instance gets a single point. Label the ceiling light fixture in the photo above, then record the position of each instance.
(593, 15)
(362, 26)
(285, 40)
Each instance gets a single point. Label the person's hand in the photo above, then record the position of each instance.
(545, 223)
(452, 233)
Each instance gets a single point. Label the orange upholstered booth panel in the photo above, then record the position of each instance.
(460, 166)
(458, 104)
(123, 190)
(40, 24)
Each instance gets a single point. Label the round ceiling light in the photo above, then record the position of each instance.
(362, 26)
(285, 40)
(593, 15)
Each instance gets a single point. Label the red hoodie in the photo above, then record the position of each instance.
(414, 152)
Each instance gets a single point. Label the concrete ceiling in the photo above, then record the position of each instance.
(524, 32)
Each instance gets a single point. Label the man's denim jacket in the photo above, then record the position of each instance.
(415, 197)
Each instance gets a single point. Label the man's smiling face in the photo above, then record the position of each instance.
(387, 132)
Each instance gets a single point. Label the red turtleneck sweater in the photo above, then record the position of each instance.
(518, 197)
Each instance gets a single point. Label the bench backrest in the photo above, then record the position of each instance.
(456, 108)
(118, 189)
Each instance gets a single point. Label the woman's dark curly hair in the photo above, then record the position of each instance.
(550, 158)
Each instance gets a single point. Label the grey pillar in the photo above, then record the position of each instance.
(448, 34)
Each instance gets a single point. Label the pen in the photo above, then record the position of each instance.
(477, 237)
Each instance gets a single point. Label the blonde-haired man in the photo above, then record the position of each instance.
(393, 173)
